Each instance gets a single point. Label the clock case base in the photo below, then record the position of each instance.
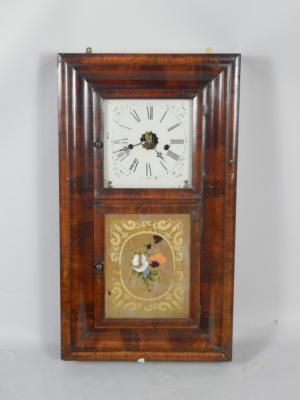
(213, 80)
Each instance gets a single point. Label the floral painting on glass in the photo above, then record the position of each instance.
(147, 266)
(146, 262)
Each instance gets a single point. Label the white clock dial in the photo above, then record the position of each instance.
(147, 143)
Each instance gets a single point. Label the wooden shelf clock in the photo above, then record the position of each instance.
(148, 156)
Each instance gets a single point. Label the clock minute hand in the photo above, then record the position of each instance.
(129, 147)
(122, 149)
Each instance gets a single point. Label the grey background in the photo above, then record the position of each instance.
(267, 295)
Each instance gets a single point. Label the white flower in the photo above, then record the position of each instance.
(140, 262)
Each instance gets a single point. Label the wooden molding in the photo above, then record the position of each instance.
(213, 81)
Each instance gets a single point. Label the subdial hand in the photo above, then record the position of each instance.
(129, 147)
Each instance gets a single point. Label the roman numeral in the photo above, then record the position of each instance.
(124, 157)
(163, 165)
(123, 153)
(173, 127)
(173, 155)
(148, 169)
(121, 141)
(134, 164)
(135, 115)
(150, 112)
(162, 118)
(124, 126)
(177, 141)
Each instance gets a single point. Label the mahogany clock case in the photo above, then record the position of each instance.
(212, 81)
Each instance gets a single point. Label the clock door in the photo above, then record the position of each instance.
(146, 234)
(147, 175)
(148, 266)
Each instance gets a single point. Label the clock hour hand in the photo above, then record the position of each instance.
(159, 155)
(129, 147)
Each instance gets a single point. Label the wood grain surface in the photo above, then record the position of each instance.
(212, 80)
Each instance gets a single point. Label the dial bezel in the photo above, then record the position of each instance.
(138, 148)
(149, 94)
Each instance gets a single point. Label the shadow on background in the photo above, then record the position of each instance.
(258, 340)
(48, 204)
(260, 219)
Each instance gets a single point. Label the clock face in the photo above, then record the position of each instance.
(147, 143)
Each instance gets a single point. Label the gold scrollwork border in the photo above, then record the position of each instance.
(172, 231)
